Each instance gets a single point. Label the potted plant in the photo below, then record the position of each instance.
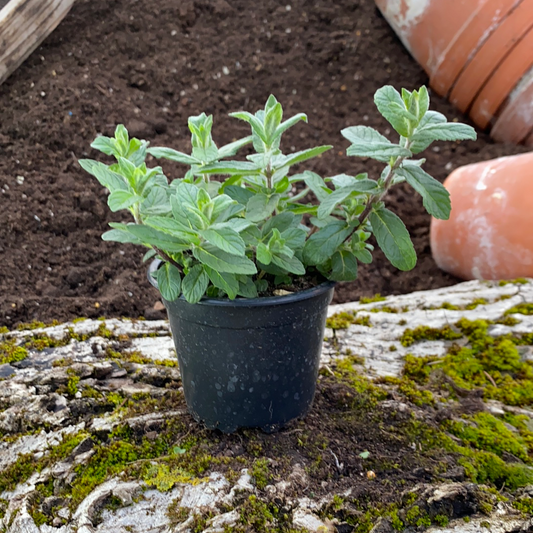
(245, 282)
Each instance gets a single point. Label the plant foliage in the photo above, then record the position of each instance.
(229, 228)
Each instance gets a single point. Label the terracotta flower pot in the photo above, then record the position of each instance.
(489, 234)
(477, 53)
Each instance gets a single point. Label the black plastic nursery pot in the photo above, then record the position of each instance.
(249, 362)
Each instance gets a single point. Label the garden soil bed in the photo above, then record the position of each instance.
(151, 65)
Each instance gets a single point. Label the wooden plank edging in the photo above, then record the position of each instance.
(24, 24)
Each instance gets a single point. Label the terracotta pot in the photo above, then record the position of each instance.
(485, 60)
(477, 53)
(488, 235)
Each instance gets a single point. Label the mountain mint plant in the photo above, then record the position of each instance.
(243, 234)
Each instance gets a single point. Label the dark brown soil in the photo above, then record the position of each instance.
(152, 64)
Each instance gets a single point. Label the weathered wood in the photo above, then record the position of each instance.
(24, 24)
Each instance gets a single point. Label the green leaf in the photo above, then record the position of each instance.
(236, 224)
(220, 204)
(423, 102)
(122, 236)
(173, 227)
(323, 244)
(104, 144)
(187, 193)
(284, 126)
(156, 203)
(226, 239)
(281, 222)
(240, 194)
(272, 120)
(229, 150)
(261, 206)
(261, 285)
(391, 105)
(367, 142)
(304, 155)
(419, 144)
(255, 123)
(393, 238)
(441, 131)
(316, 184)
(342, 180)
(247, 287)
(343, 266)
(294, 238)
(290, 264)
(118, 200)
(107, 178)
(169, 281)
(222, 261)
(364, 256)
(360, 186)
(435, 197)
(224, 281)
(172, 155)
(195, 284)
(263, 254)
(153, 237)
(234, 168)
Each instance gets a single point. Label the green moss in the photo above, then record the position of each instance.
(486, 432)
(260, 473)
(337, 502)
(3, 508)
(261, 517)
(345, 319)
(163, 478)
(177, 514)
(10, 352)
(372, 299)
(508, 321)
(367, 393)
(517, 281)
(524, 505)
(449, 306)
(418, 368)
(475, 303)
(64, 361)
(491, 363)
(441, 520)
(72, 385)
(18, 472)
(425, 333)
(90, 392)
(385, 309)
(522, 309)
(137, 358)
(411, 391)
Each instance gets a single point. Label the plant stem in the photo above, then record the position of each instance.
(169, 259)
(374, 199)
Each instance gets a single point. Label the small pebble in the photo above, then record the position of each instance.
(173, 33)
(449, 165)
(20, 180)
(225, 70)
